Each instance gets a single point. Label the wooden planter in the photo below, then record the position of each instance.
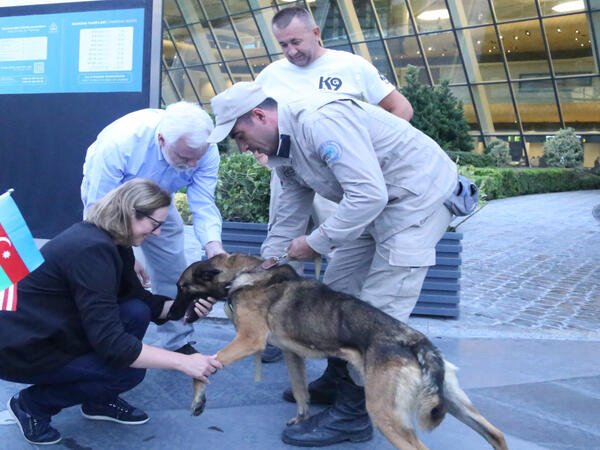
(440, 293)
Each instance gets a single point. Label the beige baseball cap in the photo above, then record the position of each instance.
(231, 104)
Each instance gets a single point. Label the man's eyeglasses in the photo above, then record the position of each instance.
(157, 223)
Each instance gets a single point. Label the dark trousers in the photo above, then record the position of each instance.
(87, 378)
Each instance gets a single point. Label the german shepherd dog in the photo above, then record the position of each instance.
(405, 375)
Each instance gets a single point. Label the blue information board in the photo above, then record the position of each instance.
(67, 70)
(91, 51)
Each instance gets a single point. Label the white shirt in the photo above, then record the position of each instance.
(128, 148)
(335, 71)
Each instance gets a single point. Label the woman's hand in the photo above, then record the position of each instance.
(203, 306)
(201, 366)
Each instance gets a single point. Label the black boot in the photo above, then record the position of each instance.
(322, 391)
(346, 420)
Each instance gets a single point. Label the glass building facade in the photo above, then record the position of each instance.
(523, 69)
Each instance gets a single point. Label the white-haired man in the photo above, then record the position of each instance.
(169, 147)
(391, 183)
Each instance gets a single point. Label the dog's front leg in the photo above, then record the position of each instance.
(241, 346)
(297, 373)
(199, 400)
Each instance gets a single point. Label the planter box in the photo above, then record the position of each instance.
(440, 293)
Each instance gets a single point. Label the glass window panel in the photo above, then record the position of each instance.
(443, 58)
(525, 49)
(378, 58)
(462, 94)
(203, 86)
(481, 53)
(214, 9)
(191, 10)
(551, 7)
(249, 36)
(263, 18)
(595, 4)
(333, 31)
(219, 70)
(537, 105)
(259, 64)
(228, 42)
(580, 102)
(237, 6)
(239, 70)
(470, 12)
(171, 14)
(514, 9)
(168, 51)
(368, 22)
(343, 48)
(182, 84)
(569, 38)
(168, 93)
(405, 51)
(205, 43)
(431, 15)
(186, 49)
(496, 98)
(394, 18)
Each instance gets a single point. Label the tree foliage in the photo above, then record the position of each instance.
(437, 112)
(563, 150)
(499, 151)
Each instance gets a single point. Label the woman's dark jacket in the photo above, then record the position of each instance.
(68, 306)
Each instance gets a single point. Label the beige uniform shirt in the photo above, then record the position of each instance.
(376, 166)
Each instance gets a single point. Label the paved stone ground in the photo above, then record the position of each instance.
(531, 268)
(531, 264)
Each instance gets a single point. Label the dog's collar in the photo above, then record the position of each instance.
(274, 261)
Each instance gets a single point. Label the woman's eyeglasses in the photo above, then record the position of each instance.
(157, 223)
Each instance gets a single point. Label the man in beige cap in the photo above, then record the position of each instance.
(390, 182)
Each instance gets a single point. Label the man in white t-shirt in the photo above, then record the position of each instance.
(310, 67)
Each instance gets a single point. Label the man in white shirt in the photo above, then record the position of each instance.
(309, 66)
(169, 147)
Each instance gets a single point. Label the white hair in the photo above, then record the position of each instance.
(185, 119)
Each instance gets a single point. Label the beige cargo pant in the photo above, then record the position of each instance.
(388, 274)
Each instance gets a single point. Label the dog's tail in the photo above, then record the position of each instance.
(431, 401)
(461, 407)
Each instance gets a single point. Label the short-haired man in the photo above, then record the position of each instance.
(390, 182)
(307, 67)
(169, 147)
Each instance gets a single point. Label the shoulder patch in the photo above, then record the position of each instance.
(330, 152)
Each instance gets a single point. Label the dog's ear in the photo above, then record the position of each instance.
(201, 273)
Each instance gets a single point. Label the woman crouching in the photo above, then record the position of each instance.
(76, 336)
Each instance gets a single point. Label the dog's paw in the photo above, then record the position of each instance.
(299, 418)
(198, 407)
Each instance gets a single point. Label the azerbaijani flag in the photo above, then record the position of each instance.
(18, 253)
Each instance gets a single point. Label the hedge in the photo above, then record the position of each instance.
(471, 159)
(242, 193)
(503, 182)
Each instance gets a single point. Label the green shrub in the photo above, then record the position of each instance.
(563, 150)
(499, 152)
(500, 183)
(242, 193)
(471, 159)
(181, 203)
(437, 112)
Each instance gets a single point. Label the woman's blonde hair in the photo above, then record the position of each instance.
(114, 211)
